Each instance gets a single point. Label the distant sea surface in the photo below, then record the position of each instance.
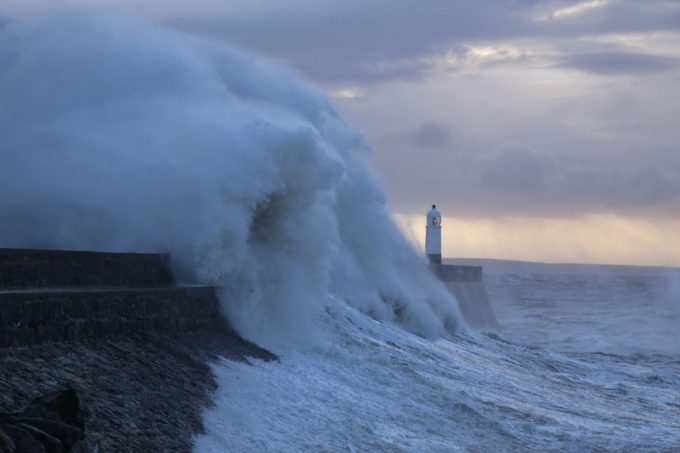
(586, 308)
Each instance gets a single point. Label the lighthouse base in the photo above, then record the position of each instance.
(435, 258)
(467, 285)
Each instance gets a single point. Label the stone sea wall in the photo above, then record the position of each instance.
(466, 283)
(136, 350)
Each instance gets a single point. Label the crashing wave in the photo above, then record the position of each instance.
(118, 134)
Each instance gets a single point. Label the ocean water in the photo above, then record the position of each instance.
(617, 314)
(582, 363)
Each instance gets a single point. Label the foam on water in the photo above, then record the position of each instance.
(380, 388)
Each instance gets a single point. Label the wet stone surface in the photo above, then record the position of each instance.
(145, 392)
(50, 423)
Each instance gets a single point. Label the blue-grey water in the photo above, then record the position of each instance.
(583, 363)
(623, 314)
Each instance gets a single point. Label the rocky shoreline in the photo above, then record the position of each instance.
(144, 392)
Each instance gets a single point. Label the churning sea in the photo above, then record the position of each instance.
(584, 361)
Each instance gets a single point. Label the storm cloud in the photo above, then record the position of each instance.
(359, 42)
(611, 63)
(523, 107)
(430, 135)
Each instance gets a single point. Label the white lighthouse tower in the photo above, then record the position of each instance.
(433, 236)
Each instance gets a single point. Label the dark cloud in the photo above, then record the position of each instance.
(355, 41)
(336, 70)
(516, 179)
(611, 63)
(516, 167)
(626, 16)
(430, 136)
(648, 185)
(358, 42)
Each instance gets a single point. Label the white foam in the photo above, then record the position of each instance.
(376, 387)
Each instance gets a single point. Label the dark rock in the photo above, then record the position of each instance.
(142, 393)
(7, 445)
(69, 434)
(52, 423)
(62, 405)
(23, 441)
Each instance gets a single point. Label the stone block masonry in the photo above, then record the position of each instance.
(54, 268)
(449, 273)
(52, 315)
(135, 349)
(51, 295)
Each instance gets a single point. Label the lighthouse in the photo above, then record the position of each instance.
(464, 282)
(433, 236)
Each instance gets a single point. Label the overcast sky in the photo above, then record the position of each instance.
(545, 130)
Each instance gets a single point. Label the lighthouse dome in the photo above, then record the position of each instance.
(434, 217)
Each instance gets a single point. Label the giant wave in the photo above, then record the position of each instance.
(118, 134)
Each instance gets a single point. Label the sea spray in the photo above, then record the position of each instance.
(120, 134)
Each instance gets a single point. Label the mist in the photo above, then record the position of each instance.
(118, 134)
